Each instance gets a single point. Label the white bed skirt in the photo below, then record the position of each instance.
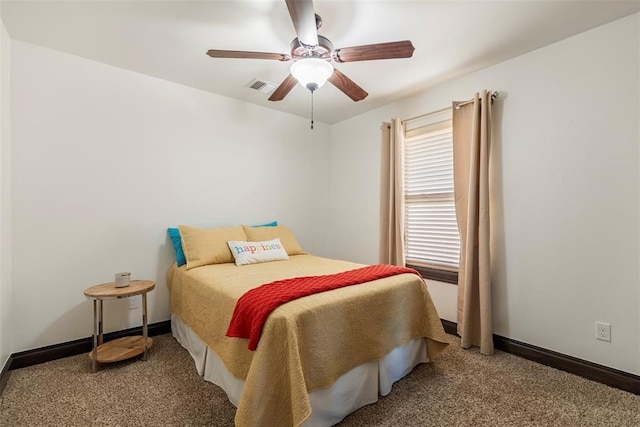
(353, 390)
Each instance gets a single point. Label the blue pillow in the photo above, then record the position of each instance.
(174, 233)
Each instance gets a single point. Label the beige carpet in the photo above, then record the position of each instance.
(462, 388)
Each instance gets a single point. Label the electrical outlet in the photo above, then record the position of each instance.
(603, 331)
(133, 303)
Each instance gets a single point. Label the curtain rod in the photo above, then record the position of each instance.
(494, 96)
(422, 116)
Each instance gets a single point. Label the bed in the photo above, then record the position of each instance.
(319, 357)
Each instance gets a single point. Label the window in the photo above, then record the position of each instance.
(432, 242)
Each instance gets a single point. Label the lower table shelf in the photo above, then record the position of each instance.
(121, 349)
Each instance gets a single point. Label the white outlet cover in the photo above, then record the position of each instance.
(603, 331)
(133, 303)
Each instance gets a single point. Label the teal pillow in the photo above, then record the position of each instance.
(271, 224)
(174, 234)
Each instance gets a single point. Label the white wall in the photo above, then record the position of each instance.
(566, 171)
(104, 160)
(5, 200)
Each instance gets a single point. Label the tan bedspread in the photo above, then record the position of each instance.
(308, 343)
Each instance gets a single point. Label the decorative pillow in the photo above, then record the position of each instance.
(174, 234)
(204, 246)
(269, 224)
(281, 232)
(256, 252)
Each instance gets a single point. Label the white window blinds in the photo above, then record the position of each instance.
(431, 238)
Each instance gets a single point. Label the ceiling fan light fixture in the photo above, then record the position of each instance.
(311, 73)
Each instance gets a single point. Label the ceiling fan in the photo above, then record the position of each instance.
(312, 53)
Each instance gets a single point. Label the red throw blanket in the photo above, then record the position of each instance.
(253, 308)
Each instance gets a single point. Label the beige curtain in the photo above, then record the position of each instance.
(392, 194)
(471, 142)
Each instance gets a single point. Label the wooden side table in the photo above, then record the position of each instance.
(121, 348)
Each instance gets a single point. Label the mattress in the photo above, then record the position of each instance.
(306, 345)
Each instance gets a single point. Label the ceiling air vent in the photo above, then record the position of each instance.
(261, 86)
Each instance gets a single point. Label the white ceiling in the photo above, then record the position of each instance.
(169, 40)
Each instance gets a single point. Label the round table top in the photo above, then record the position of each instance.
(109, 290)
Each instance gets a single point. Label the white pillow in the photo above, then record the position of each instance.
(254, 252)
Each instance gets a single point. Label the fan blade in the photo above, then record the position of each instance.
(304, 21)
(347, 86)
(284, 88)
(391, 50)
(250, 55)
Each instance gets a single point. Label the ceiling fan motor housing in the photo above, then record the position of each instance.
(323, 50)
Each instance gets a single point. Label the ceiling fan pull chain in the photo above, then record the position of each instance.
(312, 109)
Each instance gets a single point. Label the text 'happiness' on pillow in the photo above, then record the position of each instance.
(257, 252)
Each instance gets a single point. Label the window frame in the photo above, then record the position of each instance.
(439, 274)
